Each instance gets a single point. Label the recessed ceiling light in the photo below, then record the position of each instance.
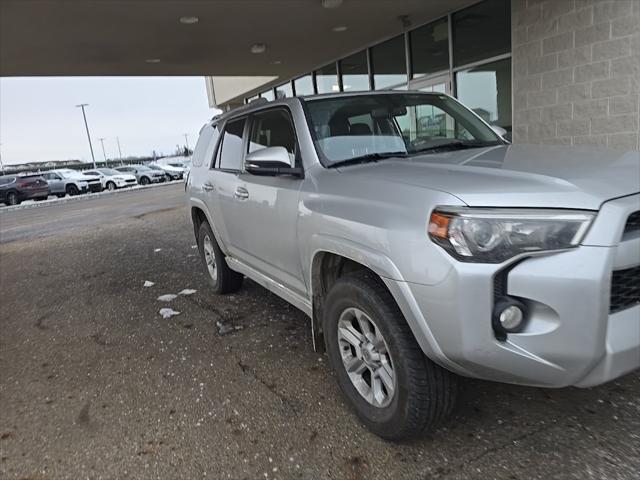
(275, 62)
(339, 28)
(152, 60)
(189, 20)
(331, 3)
(258, 48)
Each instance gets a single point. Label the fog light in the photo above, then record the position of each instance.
(509, 316)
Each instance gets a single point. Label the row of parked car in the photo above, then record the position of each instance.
(15, 189)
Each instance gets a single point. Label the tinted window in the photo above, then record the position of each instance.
(273, 128)
(304, 85)
(327, 79)
(231, 151)
(355, 73)
(284, 91)
(389, 64)
(6, 180)
(481, 31)
(487, 91)
(430, 48)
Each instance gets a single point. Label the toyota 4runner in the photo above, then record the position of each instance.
(423, 246)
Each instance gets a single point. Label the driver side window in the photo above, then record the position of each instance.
(273, 128)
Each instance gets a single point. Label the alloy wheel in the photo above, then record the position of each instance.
(366, 357)
(210, 258)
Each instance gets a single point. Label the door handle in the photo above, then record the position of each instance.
(207, 187)
(241, 192)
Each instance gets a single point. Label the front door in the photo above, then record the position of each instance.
(267, 206)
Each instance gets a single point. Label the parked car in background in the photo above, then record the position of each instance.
(65, 181)
(17, 188)
(143, 174)
(173, 172)
(423, 249)
(166, 178)
(112, 179)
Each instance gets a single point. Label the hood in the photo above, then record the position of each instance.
(518, 175)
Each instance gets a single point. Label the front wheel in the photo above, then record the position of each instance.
(72, 190)
(111, 186)
(145, 181)
(220, 276)
(12, 199)
(393, 388)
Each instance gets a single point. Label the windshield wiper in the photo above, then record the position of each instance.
(367, 158)
(454, 146)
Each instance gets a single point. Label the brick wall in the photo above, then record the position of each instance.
(576, 72)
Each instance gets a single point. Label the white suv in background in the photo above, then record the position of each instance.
(112, 179)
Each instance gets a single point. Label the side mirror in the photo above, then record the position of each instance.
(499, 130)
(271, 161)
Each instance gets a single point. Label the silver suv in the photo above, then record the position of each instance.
(423, 246)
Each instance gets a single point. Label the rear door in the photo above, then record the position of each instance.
(219, 183)
(56, 184)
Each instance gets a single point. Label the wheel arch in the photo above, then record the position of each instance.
(199, 215)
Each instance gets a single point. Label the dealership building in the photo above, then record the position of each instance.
(554, 72)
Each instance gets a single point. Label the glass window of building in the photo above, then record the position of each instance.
(327, 79)
(355, 72)
(487, 91)
(284, 91)
(268, 94)
(389, 64)
(304, 85)
(430, 48)
(481, 31)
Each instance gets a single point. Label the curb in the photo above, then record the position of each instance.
(85, 196)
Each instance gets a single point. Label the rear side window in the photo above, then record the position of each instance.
(204, 148)
(6, 180)
(230, 153)
(273, 128)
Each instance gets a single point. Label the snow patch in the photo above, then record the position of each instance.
(157, 250)
(167, 297)
(187, 291)
(168, 312)
(147, 283)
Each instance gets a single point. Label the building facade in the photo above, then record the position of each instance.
(548, 71)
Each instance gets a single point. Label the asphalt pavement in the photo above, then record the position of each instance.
(95, 384)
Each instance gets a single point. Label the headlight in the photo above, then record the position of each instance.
(493, 235)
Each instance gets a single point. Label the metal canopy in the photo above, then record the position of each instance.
(146, 37)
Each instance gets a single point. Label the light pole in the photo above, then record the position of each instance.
(86, 125)
(119, 149)
(104, 154)
(186, 140)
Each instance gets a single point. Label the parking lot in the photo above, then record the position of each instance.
(94, 383)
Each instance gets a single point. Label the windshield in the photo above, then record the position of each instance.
(398, 124)
(110, 172)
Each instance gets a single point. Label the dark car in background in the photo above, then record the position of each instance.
(14, 189)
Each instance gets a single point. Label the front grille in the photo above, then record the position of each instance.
(633, 223)
(625, 289)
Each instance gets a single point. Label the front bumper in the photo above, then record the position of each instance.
(570, 338)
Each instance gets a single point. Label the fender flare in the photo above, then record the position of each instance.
(200, 205)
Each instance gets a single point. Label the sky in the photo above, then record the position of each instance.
(39, 120)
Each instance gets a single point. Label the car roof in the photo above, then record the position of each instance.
(262, 103)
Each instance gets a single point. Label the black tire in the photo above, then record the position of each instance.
(145, 181)
(425, 393)
(111, 186)
(72, 190)
(226, 280)
(12, 198)
(40, 199)
(61, 195)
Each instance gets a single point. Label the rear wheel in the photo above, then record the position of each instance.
(393, 388)
(12, 199)
(145, 181)
(72, 190)
(111, 186)
(220, 276)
